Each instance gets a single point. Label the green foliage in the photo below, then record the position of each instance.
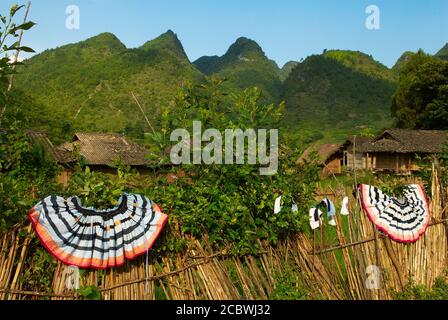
(234, 203)
(338, 93)
(360, 62)
(26, 174)
(286, 69)
(439, 291)
(441, 164)
(87, 87)
(367, 132)
(38, 273)
(421, 100)
(390, 184)
(288, 286)
(401, 62)
(167, 43)
(97, 189)
(231, 204)
(90, 293)
(9, 33)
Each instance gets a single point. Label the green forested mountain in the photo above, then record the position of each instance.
(338, 92)
(360, 62)
(244, 65)
(287, 68)
(401, 62)
(167, 43)
(443, 53)
(88, 85)
(207, 64)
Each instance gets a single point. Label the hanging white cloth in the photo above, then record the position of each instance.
(72, 277)
(277, 205)
(294, 208)
(315, 218)
(344, 207)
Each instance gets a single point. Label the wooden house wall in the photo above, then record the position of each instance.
(350, 160)
(397, 162)
(332, 166)
(384, 161)
(64, 177)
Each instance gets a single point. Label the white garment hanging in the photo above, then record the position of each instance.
(277, 205)
(72, 278)
(315, 218)
(294, 208)
(344, 207)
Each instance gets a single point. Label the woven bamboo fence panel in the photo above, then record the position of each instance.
(336, 268)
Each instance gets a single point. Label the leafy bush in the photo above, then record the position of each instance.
(90, 293)
(38, 273)
(288, 286)
(439, 291)
(97, 189)
(26, 174)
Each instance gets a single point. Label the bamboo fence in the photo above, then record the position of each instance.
(333, 263)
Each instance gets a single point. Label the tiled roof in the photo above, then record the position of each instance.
(60, 156)
(324, 151)
(106, 149)
(407, 141)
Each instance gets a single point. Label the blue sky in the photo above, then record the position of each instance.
(286, 30)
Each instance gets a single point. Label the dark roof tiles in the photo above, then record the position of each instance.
(106, 149)
(407, 141)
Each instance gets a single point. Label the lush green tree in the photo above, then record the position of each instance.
(9, 42)
(421, 100)
(26, 174)
(24, 167)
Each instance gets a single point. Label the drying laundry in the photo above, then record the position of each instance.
(294, 208)
(344, 207)
(100, 239)
(72, 278)
(315, 218)
(329, 205)
(331, 211)
(404, 220)
(277, 205)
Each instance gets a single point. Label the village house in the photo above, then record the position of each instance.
(100, 151)
(352, 157)
(394, 150)
(398, 150)
(328, 158)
